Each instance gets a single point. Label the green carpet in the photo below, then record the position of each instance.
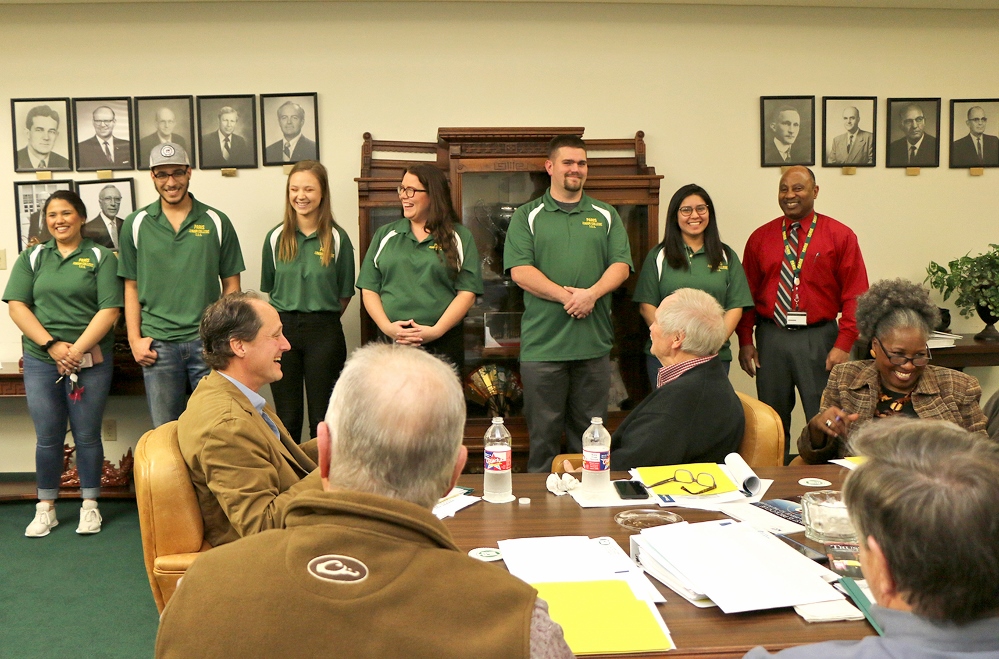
(69, 595)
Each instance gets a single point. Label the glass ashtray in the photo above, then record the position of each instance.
(645, 518)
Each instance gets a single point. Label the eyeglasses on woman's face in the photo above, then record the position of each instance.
(900, 359)
(407, 192)
(700, 209)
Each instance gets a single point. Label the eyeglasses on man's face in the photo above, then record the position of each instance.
(408, 192)
(700, 209)
(899, 359)
(177, 174)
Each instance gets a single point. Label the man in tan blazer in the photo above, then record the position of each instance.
(244, 465)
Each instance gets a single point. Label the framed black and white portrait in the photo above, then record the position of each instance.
(227, 132)
(290, 124)
(42, 134)
(913, 129)
(103, 134)
(974, 133)
(787, 130)
(160, 119)
(849, 124)
(108, 203)
(29, 198)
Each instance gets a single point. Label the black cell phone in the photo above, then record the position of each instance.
(631, 490)
(805, 550)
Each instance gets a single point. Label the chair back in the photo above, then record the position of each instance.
(763, 439)
(169, 515)
(576, 459)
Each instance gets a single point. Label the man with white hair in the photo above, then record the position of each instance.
(694, 415)
(363, 568)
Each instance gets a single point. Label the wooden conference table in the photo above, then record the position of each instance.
(702, 633)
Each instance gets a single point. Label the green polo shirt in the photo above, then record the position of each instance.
(411, 278)
(177, 273)
(572, 248)
(727, 284)
(305, 284)
(66, 293)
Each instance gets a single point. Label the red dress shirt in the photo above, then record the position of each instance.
(832, 277)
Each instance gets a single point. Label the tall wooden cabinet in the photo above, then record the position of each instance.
(492, 171)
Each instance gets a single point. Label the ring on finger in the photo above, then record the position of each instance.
(828, 423)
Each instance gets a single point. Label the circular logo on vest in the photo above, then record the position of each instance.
(340, 569)
(167, 150)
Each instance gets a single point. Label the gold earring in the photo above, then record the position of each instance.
(872, 353)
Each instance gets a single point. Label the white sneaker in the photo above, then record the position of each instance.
(90, 519)
(45, 519)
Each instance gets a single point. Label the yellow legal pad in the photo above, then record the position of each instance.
(603, 617)
(856, 459)
(652, 475)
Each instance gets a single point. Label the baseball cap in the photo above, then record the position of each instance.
(168, 153)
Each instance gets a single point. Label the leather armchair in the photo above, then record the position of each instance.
(169, 514)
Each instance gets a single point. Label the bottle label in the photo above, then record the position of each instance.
(596, 459)
(497, 459)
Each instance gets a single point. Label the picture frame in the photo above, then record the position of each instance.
(787, 131)
(114, 199)
(29, 198)
(912, 119)
(972, 115)
(103, 134)
(849, 131)
(44, 144)
(290, 127)
(161, 119)
(233, 117)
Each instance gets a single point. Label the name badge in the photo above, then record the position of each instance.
(797, 319)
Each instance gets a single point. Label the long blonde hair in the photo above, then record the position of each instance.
(288, 245)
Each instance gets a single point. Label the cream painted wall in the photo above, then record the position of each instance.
(690, 77)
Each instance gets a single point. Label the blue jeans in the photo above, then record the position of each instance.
(176, 365)
(50, 407)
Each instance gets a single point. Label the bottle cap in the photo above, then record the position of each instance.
(497, 419)
(595, 420)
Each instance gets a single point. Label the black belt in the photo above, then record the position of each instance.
(760, 320)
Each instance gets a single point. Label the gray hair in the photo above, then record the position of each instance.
(699, 317)
(892, 304)
(228, 109)
(299, 110)
(396, 421)
(229, 317)
(929, 495)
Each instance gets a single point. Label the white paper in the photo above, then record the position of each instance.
(739, 568)
(449, 506)
(760, 519)
(844, 463)
(829, 611)
(742, 474)
(609, 498)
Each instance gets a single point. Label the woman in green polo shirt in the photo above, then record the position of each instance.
(308, 270)
(65, 296)
(692, 255)
(421, 274)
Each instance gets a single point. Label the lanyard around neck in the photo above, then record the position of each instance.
(800, 261)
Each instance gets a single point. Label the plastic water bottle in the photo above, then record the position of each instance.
(497, 482)
(596, 458)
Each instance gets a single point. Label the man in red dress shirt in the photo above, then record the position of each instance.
(804, 270)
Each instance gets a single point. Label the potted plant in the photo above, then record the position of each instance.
(975, 279)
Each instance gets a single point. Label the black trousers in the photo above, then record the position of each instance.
(318, 352)
(791, 359)
(450, 346)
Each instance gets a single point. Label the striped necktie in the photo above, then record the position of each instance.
(786, 283)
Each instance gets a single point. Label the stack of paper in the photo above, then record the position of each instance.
(453, 501)
(939, 340)
(735, 482)
(602, 600)
(734, 565)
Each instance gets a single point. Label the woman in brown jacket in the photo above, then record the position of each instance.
(897, 316)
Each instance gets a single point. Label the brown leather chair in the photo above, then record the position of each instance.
(169, 514)
(762, 441)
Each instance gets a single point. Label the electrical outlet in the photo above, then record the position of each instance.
(3, 259)
(109, 430)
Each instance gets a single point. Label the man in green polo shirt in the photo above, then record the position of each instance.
(567, 251)
(172, 255)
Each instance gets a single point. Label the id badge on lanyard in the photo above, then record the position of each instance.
(798, 318)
